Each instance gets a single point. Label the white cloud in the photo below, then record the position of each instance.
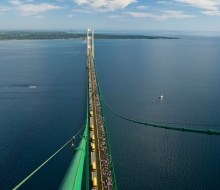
(211, 6)
(203, 4)
(4, 8)
(83, 11)
(15, 2)
(211, 13)
(142, 7)
(167, 15)
(140, 15)
(165, 2)
(172, 12)
(105, 5)
(81, 2)
(28, 8)
(70, 16)
(116, 16)
(31, 9)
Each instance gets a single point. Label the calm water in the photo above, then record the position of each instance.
(42, 104)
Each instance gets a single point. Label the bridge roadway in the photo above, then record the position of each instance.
(100, 165)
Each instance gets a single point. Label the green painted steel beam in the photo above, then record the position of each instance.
(73, 177)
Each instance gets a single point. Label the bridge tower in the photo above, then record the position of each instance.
(90, 42)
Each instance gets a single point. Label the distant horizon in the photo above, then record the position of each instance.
(134, 32)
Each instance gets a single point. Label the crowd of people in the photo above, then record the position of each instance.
(105, 157)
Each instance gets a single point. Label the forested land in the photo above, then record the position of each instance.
(30, 35)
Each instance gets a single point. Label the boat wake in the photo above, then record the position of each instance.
(32, 86)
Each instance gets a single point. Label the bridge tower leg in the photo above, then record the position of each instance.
(90, 42)
(93, 49)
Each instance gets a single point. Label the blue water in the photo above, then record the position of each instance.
(42, 104)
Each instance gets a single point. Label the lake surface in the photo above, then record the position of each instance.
(42, 104)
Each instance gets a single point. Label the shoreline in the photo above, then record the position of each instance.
(25, 35)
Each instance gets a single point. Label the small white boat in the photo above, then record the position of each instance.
(161, 97)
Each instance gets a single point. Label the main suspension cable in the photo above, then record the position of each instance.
(204, 131)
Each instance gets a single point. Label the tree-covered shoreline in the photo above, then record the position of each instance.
(40, 35)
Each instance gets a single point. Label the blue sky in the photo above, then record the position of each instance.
(191, 15)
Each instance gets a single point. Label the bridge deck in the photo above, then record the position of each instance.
(101, 175)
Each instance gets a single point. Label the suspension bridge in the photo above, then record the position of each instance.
(92, 164)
